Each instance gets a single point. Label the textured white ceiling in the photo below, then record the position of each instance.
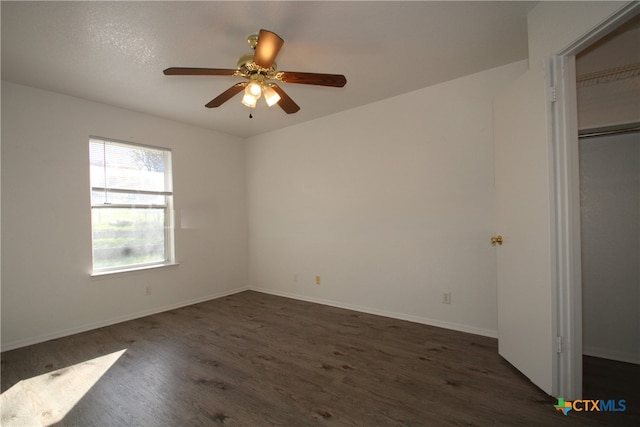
(114, 52)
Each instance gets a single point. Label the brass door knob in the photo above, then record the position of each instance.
(496, 240)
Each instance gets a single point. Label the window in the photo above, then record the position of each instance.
(131, 205)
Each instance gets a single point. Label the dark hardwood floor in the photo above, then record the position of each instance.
(253, 359)
(612, 380)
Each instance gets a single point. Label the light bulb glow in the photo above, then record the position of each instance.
(254, 89)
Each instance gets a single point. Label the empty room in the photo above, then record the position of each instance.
(306, 213)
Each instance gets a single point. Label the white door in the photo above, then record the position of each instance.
(525, 291)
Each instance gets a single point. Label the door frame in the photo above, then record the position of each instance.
(567, 268)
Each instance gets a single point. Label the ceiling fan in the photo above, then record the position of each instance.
(260, 69)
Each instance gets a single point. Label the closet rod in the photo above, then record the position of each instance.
(611, 130)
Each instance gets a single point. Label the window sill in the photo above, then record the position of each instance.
(132, 269)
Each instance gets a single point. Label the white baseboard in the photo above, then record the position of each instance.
(90, 326)
(400, 316)
(606, 353)
(394, 315)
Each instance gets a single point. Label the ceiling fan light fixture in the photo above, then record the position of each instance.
(270, 95)
(259, 67)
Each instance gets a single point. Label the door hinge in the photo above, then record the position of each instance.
(553, 94)
(559, 344)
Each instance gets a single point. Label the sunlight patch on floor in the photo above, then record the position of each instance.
(46, 399)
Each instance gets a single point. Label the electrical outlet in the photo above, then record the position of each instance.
(446, 298)
(295, 277)
(317, 280)
(147, 290)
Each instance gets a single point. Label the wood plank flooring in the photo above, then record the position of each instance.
(253, 359)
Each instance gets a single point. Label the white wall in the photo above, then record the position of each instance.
(390, 204)
(553, 26)
(610, 207)
(46, 241)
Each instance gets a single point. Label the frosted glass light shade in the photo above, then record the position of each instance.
(249, 100)
(270, 95)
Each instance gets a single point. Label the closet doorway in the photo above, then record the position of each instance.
(610, 233)
(608, 91)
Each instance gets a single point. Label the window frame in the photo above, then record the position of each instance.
(167, 207)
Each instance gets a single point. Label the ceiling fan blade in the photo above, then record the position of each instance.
(188, 71)
(226, 95)
(267, 49)
(286, 103)
(335, 80)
